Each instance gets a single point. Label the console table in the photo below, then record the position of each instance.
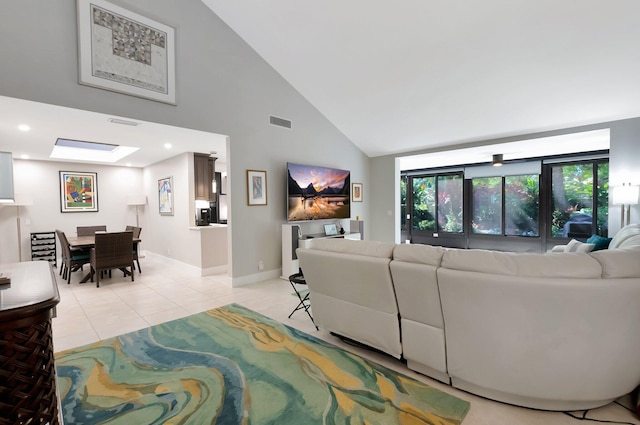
(27, 368)
(292, 239)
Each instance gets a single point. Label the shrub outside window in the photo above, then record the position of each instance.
(487, 206)
(450, 203)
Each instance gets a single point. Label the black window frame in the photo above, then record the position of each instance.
(467, 239)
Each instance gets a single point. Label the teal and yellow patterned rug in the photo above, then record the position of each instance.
(233, 366)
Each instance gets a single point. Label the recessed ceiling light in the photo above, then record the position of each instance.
(24, 156)
(128, 164)
(24, 127)
(167, 145)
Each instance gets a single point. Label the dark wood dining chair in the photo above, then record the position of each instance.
(111, 251)
(90, 230)
(72, 259)
(136, 235)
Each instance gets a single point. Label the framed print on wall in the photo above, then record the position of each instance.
(165, 196)
(125, 52)
(78, 192)
(256, 187)
(356, 192)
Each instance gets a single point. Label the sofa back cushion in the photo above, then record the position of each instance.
(569, 265)
(354, 271)
(419, 254)
(619, 263)
(413, 270)
(625, 233)
(356, 247)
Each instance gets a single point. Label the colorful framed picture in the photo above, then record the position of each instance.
(356, 192)
(165, 196)
(78, 192)
(256, 187)
(125, 52)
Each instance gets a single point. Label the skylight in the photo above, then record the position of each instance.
(79, 150)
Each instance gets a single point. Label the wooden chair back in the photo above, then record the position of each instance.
(64, 244)
(113, 250)
(136, 231)
(90, 230)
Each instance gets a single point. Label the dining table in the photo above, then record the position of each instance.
(87, 242)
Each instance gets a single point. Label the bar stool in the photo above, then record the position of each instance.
(296, 280)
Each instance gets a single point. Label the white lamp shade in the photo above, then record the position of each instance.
(137, 200)
(625, 195)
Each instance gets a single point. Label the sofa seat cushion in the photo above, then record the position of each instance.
(569, 265)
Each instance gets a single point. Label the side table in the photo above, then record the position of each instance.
(27, 365)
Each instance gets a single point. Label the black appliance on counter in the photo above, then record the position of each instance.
(203, 218)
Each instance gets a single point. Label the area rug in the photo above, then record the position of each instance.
(234, 366)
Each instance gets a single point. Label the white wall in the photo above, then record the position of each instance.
(223, 86)
(169, 235)
(40, 181)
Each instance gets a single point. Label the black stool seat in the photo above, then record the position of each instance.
(302, 294)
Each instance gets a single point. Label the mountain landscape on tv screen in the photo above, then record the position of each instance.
(318, 193)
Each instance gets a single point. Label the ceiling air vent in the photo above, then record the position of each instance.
(281, 122)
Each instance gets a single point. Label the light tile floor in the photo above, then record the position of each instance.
(163, 292)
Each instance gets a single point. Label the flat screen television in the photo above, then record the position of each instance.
(317, 193)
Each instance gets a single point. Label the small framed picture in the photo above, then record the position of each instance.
(165, 196)
(256, 187)
(78, 192)
(356, 192)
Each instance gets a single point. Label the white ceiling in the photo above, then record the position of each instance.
(49, 122)
(415, 74)
(403, 76)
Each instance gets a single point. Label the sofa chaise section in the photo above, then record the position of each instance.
(352, 294)
(553, 332)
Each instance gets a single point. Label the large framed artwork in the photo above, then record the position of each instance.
(256, 187)
(165, 196)
(78, 192)
(125, 52)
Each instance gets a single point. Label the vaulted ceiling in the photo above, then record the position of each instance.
(417, 74)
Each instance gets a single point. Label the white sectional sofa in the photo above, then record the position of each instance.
(555, 331)
(334, 270)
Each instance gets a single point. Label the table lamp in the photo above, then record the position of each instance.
(625, 196)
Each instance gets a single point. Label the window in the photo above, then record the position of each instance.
(487, 205)
(450, 203)
(403, 203)
(521, 205)
(567, 199)
(436, 202)
(579, 199)
(424, 202)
